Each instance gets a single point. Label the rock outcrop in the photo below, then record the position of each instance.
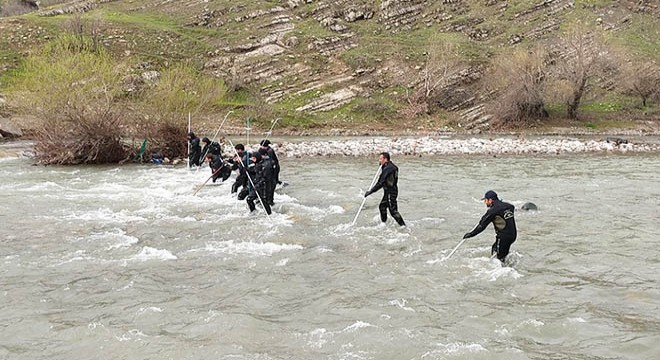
(9, 130)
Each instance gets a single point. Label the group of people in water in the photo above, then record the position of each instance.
(258, 171)
(258, 175)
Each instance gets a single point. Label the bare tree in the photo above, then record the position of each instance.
(443, 64)
(582, 57)
(518, 80)
(425, 86)
(640, 78)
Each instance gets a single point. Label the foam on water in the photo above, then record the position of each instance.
(249, 248)
(357, 326)
(461, 348)
(148, 253)
(401, 303)
(102, 215)
(114, 238)
(46, 186)
(491, 269)
(78, 256)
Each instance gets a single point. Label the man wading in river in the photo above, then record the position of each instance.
(388, 179)
(501, 215)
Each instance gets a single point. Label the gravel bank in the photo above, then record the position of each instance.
(468, 146)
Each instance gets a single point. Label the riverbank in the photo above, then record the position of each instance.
(446, 145)
(456, 145)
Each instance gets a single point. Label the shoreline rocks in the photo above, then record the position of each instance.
(470, 146)
(429, 146)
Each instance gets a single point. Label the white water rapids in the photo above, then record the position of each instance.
(122, 262)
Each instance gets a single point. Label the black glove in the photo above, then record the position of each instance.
(367, 193)
(467, 235)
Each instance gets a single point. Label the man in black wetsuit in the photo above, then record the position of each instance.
(265, 144)
(388, 179)
(241, 160)
(268, 166)
(258, 175)
(210, 147)
(501, 215)
(195, 150)
(219, 168)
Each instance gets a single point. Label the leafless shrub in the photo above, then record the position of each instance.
(427, 87)
(583, 56)
(74, 91)
(169, 139)
(640, 78)
(81, 137)
(415, 105)
(87, 32)
(517, 79)
(236, 79)
(443, 64)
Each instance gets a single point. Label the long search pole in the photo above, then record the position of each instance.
(216, 134)
(453, 251)
(247, 128)
(270, 131)
(199, 187)
(188, 161)
(373, 182)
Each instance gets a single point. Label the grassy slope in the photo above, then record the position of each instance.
(156, 34)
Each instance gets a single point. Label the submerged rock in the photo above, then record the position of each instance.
(529, 206)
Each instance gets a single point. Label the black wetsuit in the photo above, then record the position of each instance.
(501, 215)
(276, 165)
(242, 179)
(258, 175)
(389, 177)
(195, 150)
(211, 148)
(269, 176)
(219, 168)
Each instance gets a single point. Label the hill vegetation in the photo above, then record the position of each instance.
(137, 69)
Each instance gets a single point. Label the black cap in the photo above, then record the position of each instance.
(206, 140)
(490, 194)
(265, 142)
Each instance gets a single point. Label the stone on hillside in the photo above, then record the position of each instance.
(150, 76)
(292, 41)
(267, 50)
(330, 101)
(132, 83)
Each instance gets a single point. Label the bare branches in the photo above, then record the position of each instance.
(442, 65)
(518, 78)
(92, 137)
(640, 78)
(583, 56)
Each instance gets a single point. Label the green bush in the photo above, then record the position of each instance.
(72, 87)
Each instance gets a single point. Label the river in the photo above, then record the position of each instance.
(123, 262)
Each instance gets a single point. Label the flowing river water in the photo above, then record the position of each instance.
(123, 262)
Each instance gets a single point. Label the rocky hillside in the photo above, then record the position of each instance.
(331, 63)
